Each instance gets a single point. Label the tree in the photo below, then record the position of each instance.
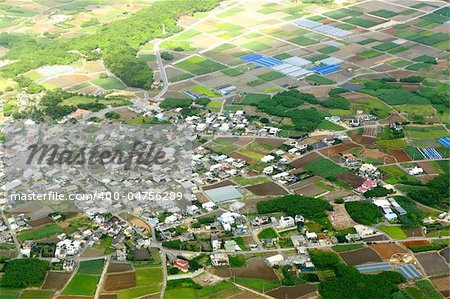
(166, 56)
(21, 273)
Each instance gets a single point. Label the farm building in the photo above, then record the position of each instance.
(221, 194)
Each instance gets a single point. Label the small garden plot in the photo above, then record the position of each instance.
(204, 91)
(441, 284)
(91, 267)
(329, 126)
(270, 76)
(387, 250)
(368, 54)
(120, 281)
(36, 294)
(257, 284)
(362, 22)
(432, 263)
(297, 291)
(303, 41)
(148, 281)
(40, 233)
(386, 46)
(347, 247)
(395, 232)
(199, 65)
(119, 267)
(232, 72)
(360, 256)
(256, 46)
(425, 133)
(328, 49)
(109, 83)
(82, 285)
(267, 233)
(267, 189)
(306, 159)
(325, 168)
(56, 280)
(320, 80)
(254, 98)
(384, 13)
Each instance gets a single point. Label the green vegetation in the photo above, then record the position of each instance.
(325, 168)
(148, 281)
(436, 193)
(349, 283)
(251, 180)
(257, 284)
(364, 212)
(433, 246)
(82, 285)
(232, 72)
(237, 261)
(91, 267)
(292, 205)
(270, 76)
(21, 273)
(40, 233)
(199, 65)
(36, 294)
(319, 80)
(324, 260)
(378, 191)
(109, 83)
(428, 289)
(431, 132)
(240, 241)
(395, 232)
(171, 103)
(187, 288)
(267, 233)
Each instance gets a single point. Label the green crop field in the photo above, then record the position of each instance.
(330, 126)
(319, 79)
(303, 41)
(270, 76)
(148, 281)
(109, 83)
(82, 285)
(395, 232)
(35, 294)
(325, 168)
(91, 267)
(40, 233)
(347, 247)
(267, 233)
(199, 65)
(383, 13)
(256, 46)
(257, 284)
(433, 132)
(232, 72)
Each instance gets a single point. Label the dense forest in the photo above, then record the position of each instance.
(117, 43)
(436, 193)
(311, 208)
(22, 273)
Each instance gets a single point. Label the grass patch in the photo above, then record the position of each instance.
(232, 72)
(82, 285)
(395, 232)
(40, 233)
(320, 80)
(329, 126)
(109, 83)
(259, 285)
(325, 168)
(267, 233)
(347, 247)
(270, 76)
(199, 65)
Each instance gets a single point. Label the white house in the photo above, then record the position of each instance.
(286, 222)
(275, 260)
(415, 171)
(267, 159)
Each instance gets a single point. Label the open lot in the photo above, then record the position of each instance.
(267, 189)
(387, 250)
(432, 263)
(360, 256)
(55, 280)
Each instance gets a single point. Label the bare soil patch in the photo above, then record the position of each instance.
(269, 188)
(40, 222)
(119, 267)
(399, 155)
(445, 253)
(416, 243)
(386, 250)
(300, 162)
(394, 117)
(360, 256)
(237, 155)
(339, 217)
(340, 148)
(363, 140)
(442, 285)
(119, 281)
(256, 268)
(427, 167)
(351, 179)
(433, 263)
(218, 185)
(310, 190)
(293, 292)
(305, 182)
(275, 142)
(414, 232)
(55, 280)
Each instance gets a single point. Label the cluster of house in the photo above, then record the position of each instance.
(388, 206)
(5, 236)
(224, 122)
(361, 119)
(209, 167)
(367, 185)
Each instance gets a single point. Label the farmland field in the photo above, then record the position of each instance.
(40, 233)
(82, 285)
(394, 231)
(325, 168)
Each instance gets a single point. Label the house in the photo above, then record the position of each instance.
(219, 259)
(298, 240)
(286, 222)
(183, 265)
(370, 184)
(67, 247)
(299, 219)
(275, 260)
(216, 244)
(267, 159)
(415, 171)
(268, 170)
(350, 160)
(69, 265)
(311, 236)
(209, 205)
(232, 246)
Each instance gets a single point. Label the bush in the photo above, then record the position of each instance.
(166, 56)
(21, 273)
(363, 212)
(296, 205)
(171, 103)
(377, 192)
(112, 115)
(237, 261)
